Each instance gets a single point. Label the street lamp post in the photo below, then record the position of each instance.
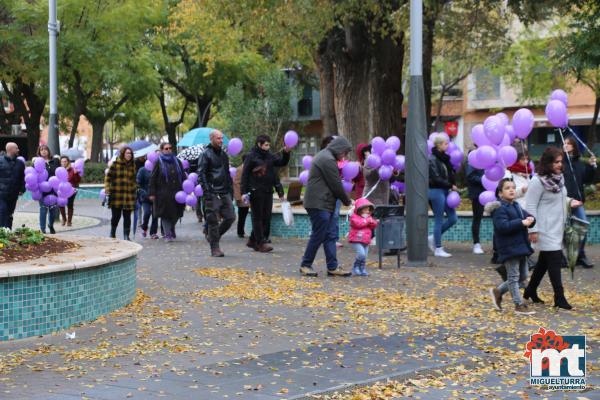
(53, 120)
(417, 169)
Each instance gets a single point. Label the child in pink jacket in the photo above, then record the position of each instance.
(361, 231)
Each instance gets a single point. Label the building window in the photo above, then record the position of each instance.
(305, 105)
(308, 146)
(487, 85)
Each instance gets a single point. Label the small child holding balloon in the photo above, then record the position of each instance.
(361, 232)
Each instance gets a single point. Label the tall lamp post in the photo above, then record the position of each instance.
(53, 122)
(417, 169)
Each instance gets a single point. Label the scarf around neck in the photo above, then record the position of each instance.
(519, 169)
(169, 159)
(553, 183)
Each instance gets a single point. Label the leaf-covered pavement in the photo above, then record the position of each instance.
(248, 326)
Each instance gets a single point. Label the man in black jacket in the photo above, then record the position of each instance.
(213, 174)
(258, 179)
(12, 183)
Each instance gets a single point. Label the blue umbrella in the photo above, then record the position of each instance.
(198, 136)
(139, 144)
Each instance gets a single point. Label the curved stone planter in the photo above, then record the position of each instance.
(51, 293)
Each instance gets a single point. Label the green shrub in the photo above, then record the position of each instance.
(93, 173)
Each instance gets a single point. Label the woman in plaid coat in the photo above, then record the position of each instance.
(120, 187)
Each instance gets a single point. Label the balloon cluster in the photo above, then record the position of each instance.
(151, 160)
(306, 162)
(495, 153)
(191, 191)
(556, 109)
(58, 187)
(383, 157)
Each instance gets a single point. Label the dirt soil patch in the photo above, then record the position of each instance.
(49, 246)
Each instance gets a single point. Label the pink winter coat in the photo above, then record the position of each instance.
(361, 228)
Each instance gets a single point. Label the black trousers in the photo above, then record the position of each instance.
(262, 208)
(219, 215)
(241, 222)
(477, 216)
(550, 261)
(116, 217)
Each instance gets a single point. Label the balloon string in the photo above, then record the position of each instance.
(580, 141)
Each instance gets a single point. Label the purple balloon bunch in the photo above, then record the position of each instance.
(306, 162)
(191, 191)
(383, 156)
(53, 191)
(151, 160)
(556, 109)
(349, 171)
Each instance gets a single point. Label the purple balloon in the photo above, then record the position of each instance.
(508, 155)
(495, 173)
(65, 187)
(49, 200)
(180, 197)
(232, 172)
(531, 166)
(30, 170)
(188, 186)
(393, 142)
(191, 200)
(489, 184)
(303, 177)
(400, 163)
(486, 197)
(62, 201)
(39, 164)
(235, 146)
(385, 172)
(290, 139)
(503, 118)
(556, 111)
(453, 199)
(350, 170)
(478, 136)
(22, 159)
(473, 160)
(152, 157)
(560, 95)
(456, 157)
(102, 194)
(399, 186)
(510, 132)
(306, 161)
(429, 146)
(32, 187)
(486, 156)
(494, 129)
(45, 187)
(54, 182)
(378, 145)
(347, 186)
(373, 161)
(37, 196)
(522, 122)
(198, 191)
(149, 165)
(451, 147)
(31, 179)
(185, 164)
(193, 177)
(42, 176)
(62, 174)
(388, 157)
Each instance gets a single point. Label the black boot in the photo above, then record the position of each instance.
(559, 299)
(126, 235)
(501, 269)
(113, 232)
(583, 261)
(532, 294)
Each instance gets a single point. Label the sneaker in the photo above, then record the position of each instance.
(154, 236)
(523, 309)
(363, 271)
(440, 252)
(169, 238)
(430, 243)
(496, 298)
(338, 272)
(339, 244)
(308, 271)
(477, 249)
(356, 271)
(216, 252)
(144, 233)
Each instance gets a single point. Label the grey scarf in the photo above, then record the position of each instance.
(554, 183)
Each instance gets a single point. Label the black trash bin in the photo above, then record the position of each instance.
(390, 230)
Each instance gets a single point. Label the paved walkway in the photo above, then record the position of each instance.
(248, 326)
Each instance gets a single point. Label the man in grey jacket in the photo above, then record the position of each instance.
(324, 187)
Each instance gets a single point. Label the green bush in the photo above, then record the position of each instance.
(93, 173)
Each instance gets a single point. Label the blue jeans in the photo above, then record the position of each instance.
(147, 213)
(362, 250)
(516, 271)
(48, 213)
(579, 212)
(437, 198)
(336, 217)
(324, 229)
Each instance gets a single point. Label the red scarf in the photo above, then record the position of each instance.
(519, 168)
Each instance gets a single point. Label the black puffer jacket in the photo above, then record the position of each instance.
(575, 179)
(441, 173)
(213, 171)
(260, 173)
(12, 177)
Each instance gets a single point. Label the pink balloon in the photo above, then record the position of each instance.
(290, 139)
(495, 173)
(523, 123)
(400, 163)
(388, 157)
(303, 177)
(556, 112)
(385, 172)
(560, 95)
(180, 197)
(350, 170)
(489, 184)
(306, 161)
(453, 199)
(508, 155)
(62, 174)
(347, 186)
(478, 136)
(232, 172)
(153, 157)
(486, 156)
(494, 129)
(373, 161)
(149, 165)
(486, 197)
(377, 145)
(188, 186)
(235, 146)
(198, 191)
(393, 142)
(191, 200)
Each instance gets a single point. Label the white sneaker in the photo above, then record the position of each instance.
(440, 252)
(477, 249)
(430, 243)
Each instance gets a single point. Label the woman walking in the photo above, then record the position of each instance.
(165, 181)
(47, 213)
(441, 181)
(547, 202)
(74, 179)
(120, 188)
(577, 173)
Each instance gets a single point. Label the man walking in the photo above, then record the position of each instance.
(213, 174)
(12, 183)
(324, 187)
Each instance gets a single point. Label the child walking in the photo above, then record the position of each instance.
(361, 232)
(512, 243)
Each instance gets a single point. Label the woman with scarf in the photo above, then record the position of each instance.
(547, 201)
(120, 188)
(74, 179)
(48, 213)
(441, 181)
(165, 181)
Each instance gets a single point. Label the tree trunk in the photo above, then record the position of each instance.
(591, 140)
(438, 113)
(428, 33)
(75, 124)
(326, 86)
(97, 138)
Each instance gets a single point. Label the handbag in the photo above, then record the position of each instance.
(288, 216)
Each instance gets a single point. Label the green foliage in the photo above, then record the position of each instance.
(93, 173)
(20, 237)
